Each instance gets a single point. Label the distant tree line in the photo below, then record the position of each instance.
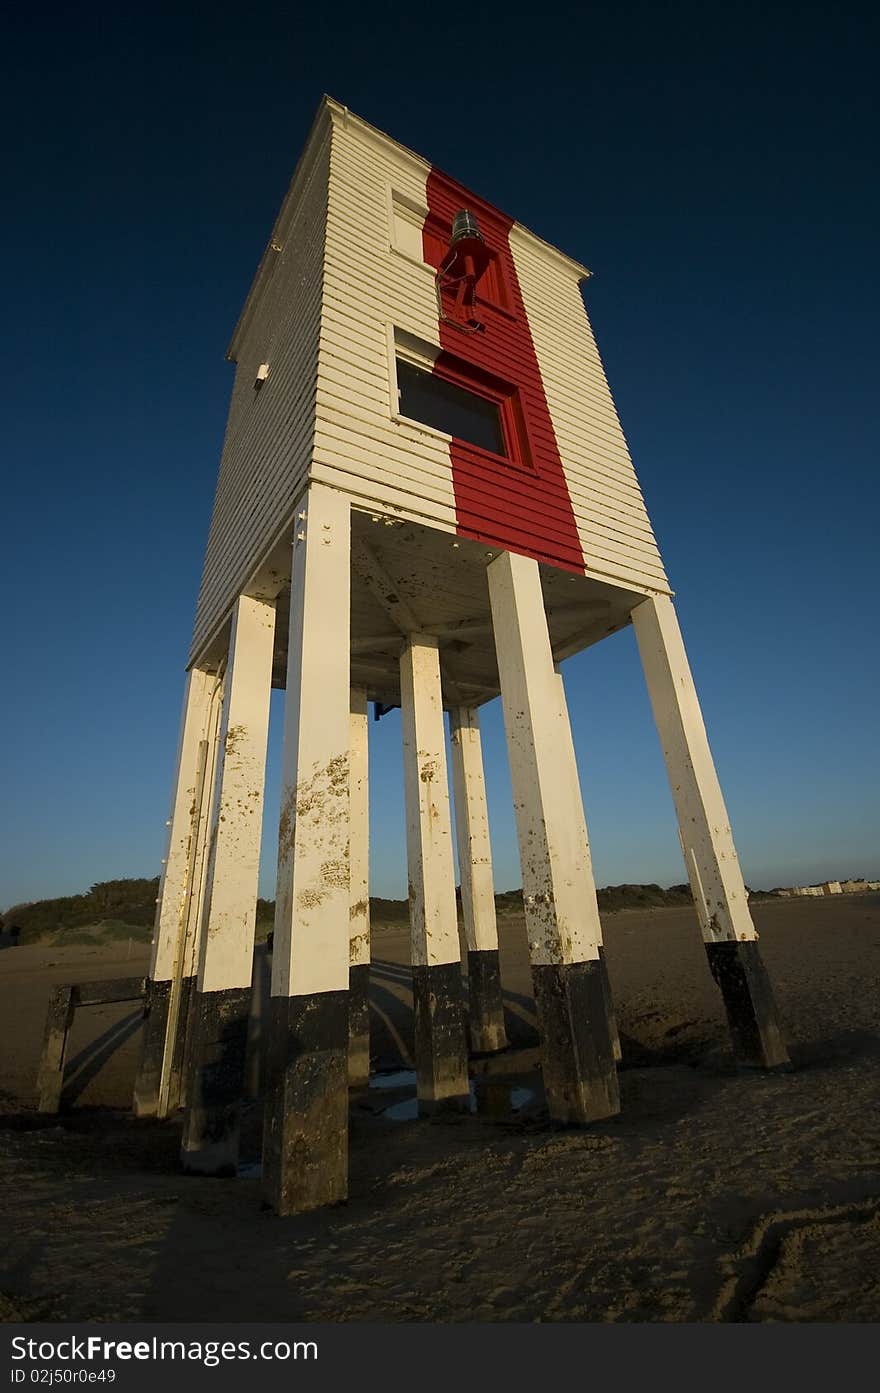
(133, 903)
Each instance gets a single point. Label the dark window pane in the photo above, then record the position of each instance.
(426, 398)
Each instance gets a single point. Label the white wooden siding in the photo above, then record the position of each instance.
(372, 286)
(270, 432)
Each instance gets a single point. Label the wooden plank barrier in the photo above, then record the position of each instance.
(59, 1019)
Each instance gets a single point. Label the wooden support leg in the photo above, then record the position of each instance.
(485, 1004)
(59, 1019)
(571, 761)
(713, 868)
(305, 1142)
(175, 938)
(181, 1016)
(221, 1002)
(562, 920)
(359, 939)
(441, 1054)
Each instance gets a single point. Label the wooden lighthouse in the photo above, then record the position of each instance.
(425, 499)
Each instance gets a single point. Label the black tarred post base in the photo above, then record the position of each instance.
(609, 1006)
(219, 1022)
(155, 1028)
(580, 1080)
(485, 1003)
(177, 1077)
(305, 1132)
(739, 970)
(157, 998)
(59, 1019)
(186, 1025)
(359, 1025)
(441, 1050)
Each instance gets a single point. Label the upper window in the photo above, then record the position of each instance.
(422, 396)
(407, 219)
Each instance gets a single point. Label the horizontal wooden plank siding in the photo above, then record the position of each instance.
(370, 288)
(270, 432)
(612, 520)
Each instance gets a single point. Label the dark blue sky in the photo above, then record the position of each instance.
(715, 166)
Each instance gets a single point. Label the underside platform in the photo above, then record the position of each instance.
(409, 578)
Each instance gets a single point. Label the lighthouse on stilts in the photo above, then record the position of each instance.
(425, 500)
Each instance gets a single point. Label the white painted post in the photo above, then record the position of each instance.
(359, 932)
(485, 1003)
(182, 1015)
(221, 1004)
(441, 1054)
(562, 919)
(305, 1148)
(570, 758)
(179, 902)
(713, 868)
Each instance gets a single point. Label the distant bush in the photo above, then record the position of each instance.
(124, 905)
(509, 902)
(389, 911)
(612, 897)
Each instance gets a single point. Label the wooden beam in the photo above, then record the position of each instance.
(179, 903)
(470, 629)
(562, 919)
(359, 895)
(567, 739)
(50, 1079)
(486, 1007)
(441, 1055)
(216, 1060)
(59, 1020)
(305, 1130)
(104, 993)
(720, 895)
(383, 643)
(367, 566)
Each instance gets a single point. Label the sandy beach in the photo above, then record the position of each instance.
(714, 1196)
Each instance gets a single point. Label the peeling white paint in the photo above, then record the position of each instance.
(433, 914)
(359, 927)
(227, 936)
(558, 888)
(313, 892)
(472, 830)
(180, 889)
(710, 855)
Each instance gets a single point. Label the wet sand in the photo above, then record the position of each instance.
(715, 1195)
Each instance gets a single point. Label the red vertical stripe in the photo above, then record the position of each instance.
(522, 509)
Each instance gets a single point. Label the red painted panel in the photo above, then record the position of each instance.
(522, 505)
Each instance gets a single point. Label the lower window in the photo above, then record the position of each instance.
(435, 401)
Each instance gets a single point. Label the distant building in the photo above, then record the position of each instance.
(828, 887)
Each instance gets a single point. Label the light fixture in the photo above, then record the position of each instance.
(460, 270)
